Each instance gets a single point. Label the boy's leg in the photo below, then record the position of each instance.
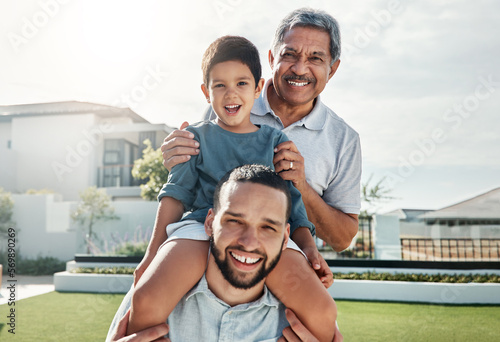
(298, 287)
(176, 268)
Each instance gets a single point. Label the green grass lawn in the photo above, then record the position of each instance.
(86, 317)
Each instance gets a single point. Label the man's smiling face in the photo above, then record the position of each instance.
(248, 232)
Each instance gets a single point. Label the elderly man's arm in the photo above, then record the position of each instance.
(333, 226)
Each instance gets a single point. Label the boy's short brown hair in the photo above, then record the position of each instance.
(231, 48)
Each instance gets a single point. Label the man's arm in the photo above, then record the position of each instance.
(333, 226)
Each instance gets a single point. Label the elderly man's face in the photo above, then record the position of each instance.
(248, 232)
(302, 67)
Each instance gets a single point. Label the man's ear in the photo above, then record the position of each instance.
(271, 59)
(333, 69)
(259, 88)
(209, 220)
(205, 92)
(287, 236)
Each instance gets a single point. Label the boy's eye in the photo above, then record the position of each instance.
(219, 85)
(242, 83)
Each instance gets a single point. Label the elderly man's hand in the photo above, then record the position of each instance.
(178, 147)
(155, 333)
(289, 163)
(297, 332)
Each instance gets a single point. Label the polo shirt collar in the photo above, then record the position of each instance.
(202, 288)
(315, 120)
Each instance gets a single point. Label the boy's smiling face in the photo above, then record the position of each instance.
(232, 91)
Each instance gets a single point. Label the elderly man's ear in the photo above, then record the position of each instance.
(333, 69)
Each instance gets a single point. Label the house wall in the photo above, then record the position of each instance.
(436, 231)
(62, 149)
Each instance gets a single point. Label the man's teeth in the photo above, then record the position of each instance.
(298, 84)
(245, 260)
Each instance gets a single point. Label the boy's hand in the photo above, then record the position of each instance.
(319, 265)
(178, 147)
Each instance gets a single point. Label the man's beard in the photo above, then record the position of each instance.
(230, 274)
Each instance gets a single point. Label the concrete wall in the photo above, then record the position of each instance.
(7, 158)
(44, 226)
(386, 237)
(136, 221)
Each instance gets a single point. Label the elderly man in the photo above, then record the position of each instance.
(231, 302)
(323, 156)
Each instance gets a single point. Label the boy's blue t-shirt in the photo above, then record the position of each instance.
(193, 183)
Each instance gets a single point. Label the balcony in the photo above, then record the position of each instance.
(116, 176)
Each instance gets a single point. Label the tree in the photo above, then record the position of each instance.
(94, 206)
(150, 167)
(373, 195)
(6, 211)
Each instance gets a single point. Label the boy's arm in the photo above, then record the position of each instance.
(175, 197)
(169, 211)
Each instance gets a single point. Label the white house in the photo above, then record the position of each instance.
(66, 147)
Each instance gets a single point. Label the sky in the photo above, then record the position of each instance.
(418, 80)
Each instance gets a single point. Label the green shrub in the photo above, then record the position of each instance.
(434, 278)
(132, 249)
(105, 270)
(40, 266)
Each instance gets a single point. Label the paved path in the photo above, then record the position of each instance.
(26, 286)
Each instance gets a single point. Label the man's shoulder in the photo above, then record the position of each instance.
(335, 123)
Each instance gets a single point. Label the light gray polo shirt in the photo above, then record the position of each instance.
(331, 151)
(201, 316)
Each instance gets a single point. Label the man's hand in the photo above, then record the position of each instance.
(178, 147)
(289, 163)
(297, 332)
(155, 333)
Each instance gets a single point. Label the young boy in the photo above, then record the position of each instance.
(232, 81)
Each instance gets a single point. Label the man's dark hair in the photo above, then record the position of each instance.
(231, 48)
(258, 174)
